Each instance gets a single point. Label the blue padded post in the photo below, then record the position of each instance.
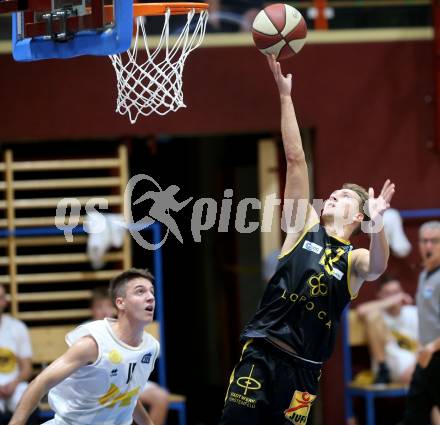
(158, 276)
(179, 406)
(369, 409)
(182, 414)
(113, 40)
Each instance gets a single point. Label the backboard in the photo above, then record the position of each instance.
(45, 29)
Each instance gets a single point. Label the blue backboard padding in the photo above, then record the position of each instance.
(99, 43)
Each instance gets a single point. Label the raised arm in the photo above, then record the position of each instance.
(83, 352)
(369, 264)
(297, 191)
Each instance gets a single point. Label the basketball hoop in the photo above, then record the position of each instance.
(152, 81)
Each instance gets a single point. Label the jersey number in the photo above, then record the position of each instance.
(131, 367)
(327, 261)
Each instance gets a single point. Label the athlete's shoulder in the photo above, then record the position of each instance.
(12, 323)
(94, 324)
(312, 230)
(92, 329)
(86, 343)
(84, 351)
(150, 342)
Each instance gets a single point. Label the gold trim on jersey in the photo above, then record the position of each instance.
(108, 321)
(344, 241)
(350, 289)
(299, 240)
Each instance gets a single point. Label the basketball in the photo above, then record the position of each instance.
(279, 29)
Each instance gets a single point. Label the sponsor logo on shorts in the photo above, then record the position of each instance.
(311, 246)
(299, 408)
(248, 383)
(242, 400)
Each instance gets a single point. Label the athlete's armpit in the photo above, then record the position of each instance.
(361, 262)
(293, 239)
(360, 269)
(83, 352)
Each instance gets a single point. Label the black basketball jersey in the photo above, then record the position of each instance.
(304, 300)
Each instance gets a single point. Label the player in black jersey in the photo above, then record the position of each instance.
(293, 331)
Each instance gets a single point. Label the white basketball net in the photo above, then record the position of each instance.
(155, 85)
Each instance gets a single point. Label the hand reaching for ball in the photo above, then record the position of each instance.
(284, 83)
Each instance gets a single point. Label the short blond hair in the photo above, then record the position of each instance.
(363, 194)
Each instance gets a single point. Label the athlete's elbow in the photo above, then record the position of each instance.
(375, 273)
(377, 268)
(295, 157)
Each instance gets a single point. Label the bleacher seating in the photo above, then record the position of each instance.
(355, 336)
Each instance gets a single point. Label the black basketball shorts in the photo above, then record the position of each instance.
(424, 393)
(270, 387)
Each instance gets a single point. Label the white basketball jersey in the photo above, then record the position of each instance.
(106, 391)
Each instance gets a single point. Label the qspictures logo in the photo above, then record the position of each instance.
(164, 206)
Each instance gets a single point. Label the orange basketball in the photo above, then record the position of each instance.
(279, 29)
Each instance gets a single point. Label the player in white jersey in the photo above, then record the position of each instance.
(99, 378)
(391, 325)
